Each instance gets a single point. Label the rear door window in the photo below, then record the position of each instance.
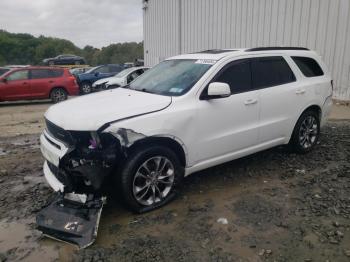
(308, 66)
(271, 71)
(237, 75)
(39, 73)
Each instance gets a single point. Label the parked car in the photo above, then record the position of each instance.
(121, 79)
(85, 80)
(64, 60)
(186, 114)
(3, 70)
(128, 65)
(37, 83)
(79, 70)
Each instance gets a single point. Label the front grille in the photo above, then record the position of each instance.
(59, 133)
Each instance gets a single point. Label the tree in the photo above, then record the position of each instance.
(27, 49)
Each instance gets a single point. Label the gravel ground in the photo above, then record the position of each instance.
(271, 206)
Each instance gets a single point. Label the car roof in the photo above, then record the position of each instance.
(35, 67)
(217, 54)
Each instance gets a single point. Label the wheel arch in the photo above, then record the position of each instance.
(314, 107)
(57, 87)
(171, 142)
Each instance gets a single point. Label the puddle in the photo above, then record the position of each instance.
(18, 242)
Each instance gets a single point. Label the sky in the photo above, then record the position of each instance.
(84, 22)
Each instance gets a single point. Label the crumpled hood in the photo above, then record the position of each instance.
(90, 112)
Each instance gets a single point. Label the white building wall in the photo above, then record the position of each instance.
(172, 27)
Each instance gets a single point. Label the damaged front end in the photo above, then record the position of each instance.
(77, 167)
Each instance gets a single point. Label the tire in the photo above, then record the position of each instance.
(77, 62)
(133, 176)
(51, 63)
(306, 132)
(58, 95)
(85, 88)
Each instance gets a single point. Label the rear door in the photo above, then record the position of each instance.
(279, 97)
(40, 82)
(16, 86)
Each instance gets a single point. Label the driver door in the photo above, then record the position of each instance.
(228, 125)
(16, 86)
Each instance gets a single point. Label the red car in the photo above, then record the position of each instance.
(37, 83)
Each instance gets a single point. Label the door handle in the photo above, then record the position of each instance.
(251, 102)
(300, 91)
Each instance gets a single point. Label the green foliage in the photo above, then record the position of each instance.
(27, 49)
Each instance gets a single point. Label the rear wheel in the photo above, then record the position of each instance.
(58, 94)
(86, 88)
(150, 178)
(77, 62)
(306, 132)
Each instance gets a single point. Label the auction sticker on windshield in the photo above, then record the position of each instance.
(206, 61)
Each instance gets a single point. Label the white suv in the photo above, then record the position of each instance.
(188, 113)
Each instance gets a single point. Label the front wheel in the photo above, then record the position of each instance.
(150, 178)
(58, 94)
(86, 88)
(306, 132)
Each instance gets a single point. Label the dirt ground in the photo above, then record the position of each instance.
(278, 206)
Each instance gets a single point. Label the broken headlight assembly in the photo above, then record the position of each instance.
(92, 159)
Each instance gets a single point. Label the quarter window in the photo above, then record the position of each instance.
(308, 66)
(237, 75)
(271, 71)
(18, 75)
(55, 72)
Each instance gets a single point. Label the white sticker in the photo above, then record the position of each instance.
(175, 90)
(206, 61)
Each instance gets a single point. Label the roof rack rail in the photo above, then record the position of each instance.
(276, 48)
(215, 51)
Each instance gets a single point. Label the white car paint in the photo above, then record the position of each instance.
(112, 105)
(117, 79)
(210, 132)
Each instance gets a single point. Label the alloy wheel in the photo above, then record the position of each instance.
(153, 180)
(86, 88)
(308, 132)
(59, 95)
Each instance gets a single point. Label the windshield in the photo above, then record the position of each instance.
(3, 70)
(92, 69)
(124, 72)
(171, 77)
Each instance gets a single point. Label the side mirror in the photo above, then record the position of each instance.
(218, 90)
(97, 73)
(4, 80)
